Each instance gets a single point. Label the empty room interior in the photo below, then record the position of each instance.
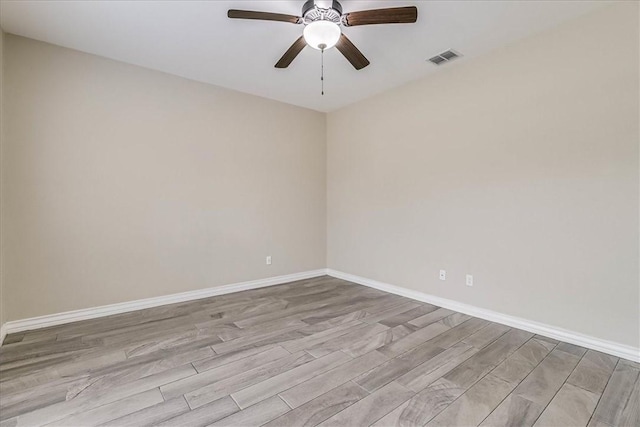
(319, 212)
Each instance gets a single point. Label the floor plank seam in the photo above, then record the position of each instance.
(344, 409)
(285, 400)
(603, 390)
(637, 383)
(559, 388)
(394, 408)
(236, 402)
(479, 379)
(519, 382)
(427, 361)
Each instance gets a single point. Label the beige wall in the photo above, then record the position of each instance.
(520, 167)
(3, 313)
(123, 183)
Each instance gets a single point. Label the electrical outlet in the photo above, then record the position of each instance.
(469, 280)
(269, 260)
(443, 275)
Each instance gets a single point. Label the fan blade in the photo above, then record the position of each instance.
(351, 52)
(395, 15)
(291, 53)
(264, 16)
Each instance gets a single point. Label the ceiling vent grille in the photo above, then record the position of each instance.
(445, 56)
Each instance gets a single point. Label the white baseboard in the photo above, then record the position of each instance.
(609, 347)
(108, 310)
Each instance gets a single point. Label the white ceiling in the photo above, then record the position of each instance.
(195, 39)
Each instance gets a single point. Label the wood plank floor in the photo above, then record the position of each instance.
(315, 352)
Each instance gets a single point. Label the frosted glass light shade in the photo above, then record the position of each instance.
(319, 33)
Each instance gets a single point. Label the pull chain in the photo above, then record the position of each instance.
(322, 70)
(322, 47)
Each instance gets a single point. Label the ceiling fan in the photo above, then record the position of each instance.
(323, 27)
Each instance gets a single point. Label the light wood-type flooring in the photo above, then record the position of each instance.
(315, 352)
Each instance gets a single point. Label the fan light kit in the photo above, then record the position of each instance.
(323, 28)
(322, 35)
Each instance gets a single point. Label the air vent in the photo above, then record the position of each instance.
(445, 56)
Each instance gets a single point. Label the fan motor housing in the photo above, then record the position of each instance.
(311, 12)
